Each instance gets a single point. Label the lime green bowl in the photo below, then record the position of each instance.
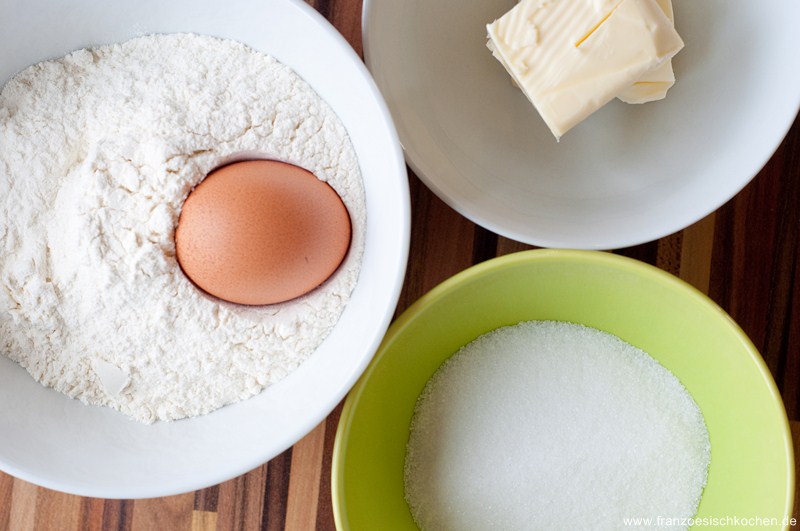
(751, 475)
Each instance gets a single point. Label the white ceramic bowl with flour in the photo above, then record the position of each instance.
(63, 444)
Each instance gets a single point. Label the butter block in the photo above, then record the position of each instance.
(654, 85)
(571, 57)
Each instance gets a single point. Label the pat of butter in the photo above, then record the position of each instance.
(571, 57)
(654, 85)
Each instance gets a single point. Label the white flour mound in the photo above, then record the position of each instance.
(98, 151)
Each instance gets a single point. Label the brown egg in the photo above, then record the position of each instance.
(261, 232)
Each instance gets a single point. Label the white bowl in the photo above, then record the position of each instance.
(627, 175)
(50, 440)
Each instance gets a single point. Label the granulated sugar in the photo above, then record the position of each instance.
(551, 425)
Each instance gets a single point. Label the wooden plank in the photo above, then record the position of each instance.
(22, 516)
(743, 275)
(172, 512)
(790, 383)
(755, 261)
(668, 253)
(117, 515)
(241, 500)
(204, 521)
(508, 246)
(325, 520)
(645, 252)
(304, 481)
(440, 235)
(484, 244)
(92, 513)
(322, 6)
(56, 510)
(345, 15)
(276, 492)
(696, 252)
(205, 500)
(795, 426)
(6, 490)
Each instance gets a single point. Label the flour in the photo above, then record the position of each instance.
(98, 151)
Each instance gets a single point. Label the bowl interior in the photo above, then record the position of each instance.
(62, 444)
(629, 173)
(751, 471)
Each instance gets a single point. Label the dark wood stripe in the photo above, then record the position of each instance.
(719, 284)
(776, 346)
(782, 316)
(442, 236)
(92, 511)
(117, 515)
(325, 520)
(646, 252)
(484, 245)
(240, 501)
(790, 386)
(506, 246)
(323, 6)
(668, 253)
(412, 284)
(753, 270)
(345, 15)
(207, 499)
(276, 492)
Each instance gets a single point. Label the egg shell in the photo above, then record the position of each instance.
(261, 232)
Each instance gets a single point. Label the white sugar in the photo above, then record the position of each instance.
(551, 425)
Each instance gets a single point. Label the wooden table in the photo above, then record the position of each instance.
(745, 256)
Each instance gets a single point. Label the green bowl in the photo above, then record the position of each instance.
(751, 475)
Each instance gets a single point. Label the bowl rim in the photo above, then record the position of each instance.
(425, 170)
(446, 287)
(395, 161)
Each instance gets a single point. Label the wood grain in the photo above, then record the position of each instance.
(744, 255)
(443, 237)
(173, 512)
(22, 513)
(6, 491)
(755, 263)
(302, 504)
(696, 252)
